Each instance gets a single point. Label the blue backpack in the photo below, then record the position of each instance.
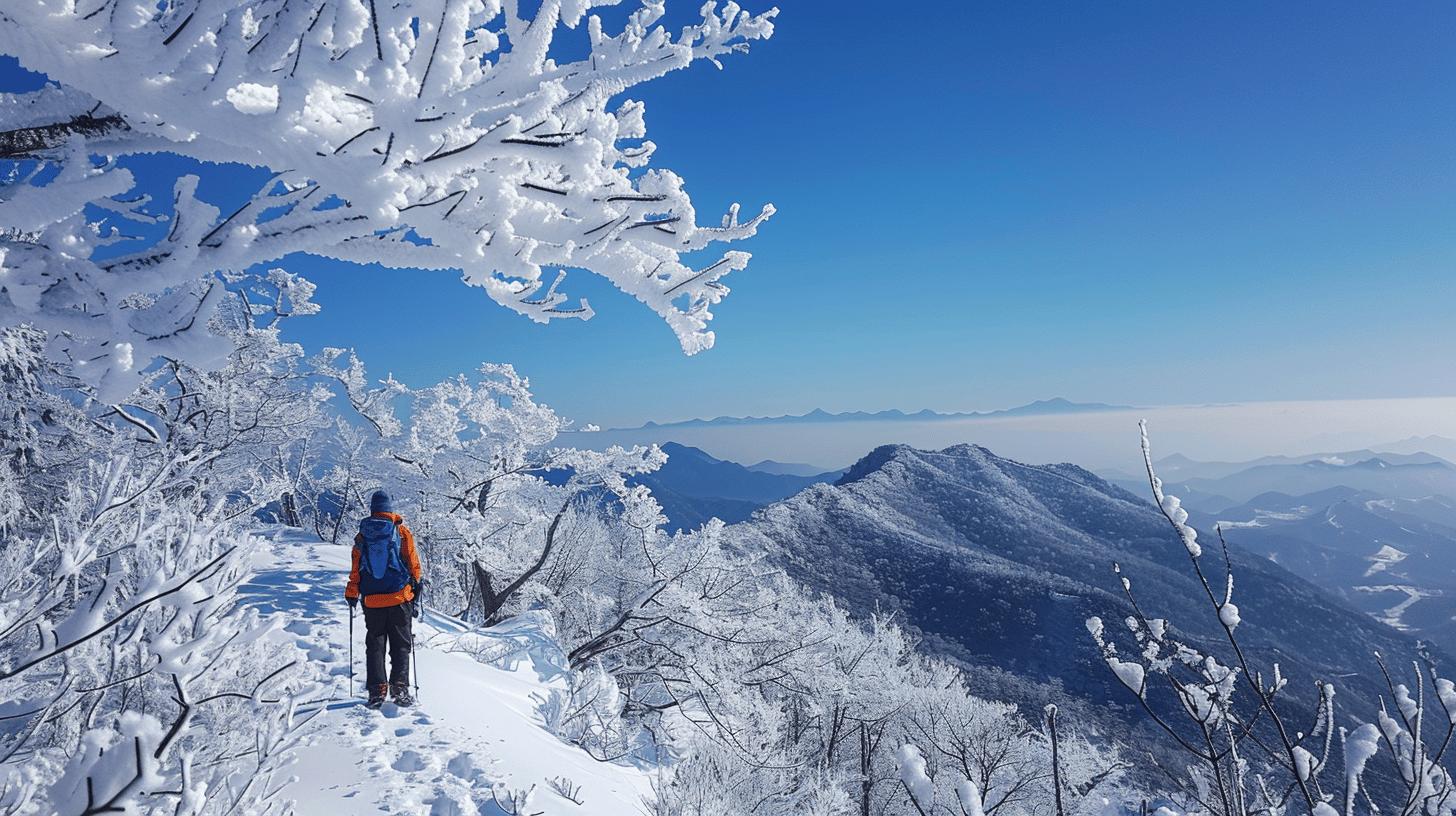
(381, 569)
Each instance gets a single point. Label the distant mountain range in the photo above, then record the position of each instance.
(1180, 467)
(1393, 558)
(1375, 527)
(1056, 405)
(1215, 486)
(787, 468)
(1363, 509)
(694, 486)
(998, 564)
(1437, 445)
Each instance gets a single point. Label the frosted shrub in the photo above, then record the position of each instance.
(588, 713)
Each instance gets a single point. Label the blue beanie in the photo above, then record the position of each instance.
(380, 503)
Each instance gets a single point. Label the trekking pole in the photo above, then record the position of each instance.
(351, 650)
(414, 666)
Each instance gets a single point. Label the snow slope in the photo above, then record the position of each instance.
(475, 737)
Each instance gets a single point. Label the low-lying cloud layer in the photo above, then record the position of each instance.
(1101, 440)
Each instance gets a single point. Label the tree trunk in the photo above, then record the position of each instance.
(864, 770)
(492, 601)
(1051, 720)
(341, 508)
(290, 511)
(489, 603)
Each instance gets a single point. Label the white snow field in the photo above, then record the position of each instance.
(474, 739)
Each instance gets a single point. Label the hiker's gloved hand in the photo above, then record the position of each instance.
(353, 602)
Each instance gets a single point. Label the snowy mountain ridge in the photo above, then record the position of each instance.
(997, 564)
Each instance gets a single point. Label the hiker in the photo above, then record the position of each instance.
(386, 572)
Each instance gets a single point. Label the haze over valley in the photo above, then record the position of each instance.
(1099, 437)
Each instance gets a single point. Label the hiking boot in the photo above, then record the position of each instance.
(399, 692)
(376, 695)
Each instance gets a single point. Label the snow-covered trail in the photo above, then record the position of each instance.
(475, 728)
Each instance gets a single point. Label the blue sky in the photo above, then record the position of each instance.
(981, 204)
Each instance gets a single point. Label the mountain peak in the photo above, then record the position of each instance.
(1175, 459)
(873, 461)
(1373, 463)
(956, 461)
(678, 449)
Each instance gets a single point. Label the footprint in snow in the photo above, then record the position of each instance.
(408, 762)
(463, 766)
(370, 736)
(372, 740)
(378, 761)
(446, 804)
(403, 732)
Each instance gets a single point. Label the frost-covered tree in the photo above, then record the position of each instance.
(470, 460)
(251, 421)
(448, 135)
(131, 678)
(338, 493)
(134, 679)
(824, 708)
(43, 436)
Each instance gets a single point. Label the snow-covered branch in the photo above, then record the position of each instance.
(434, 134)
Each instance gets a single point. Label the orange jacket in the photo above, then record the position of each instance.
(407, 552)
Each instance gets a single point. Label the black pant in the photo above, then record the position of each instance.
(389, 624)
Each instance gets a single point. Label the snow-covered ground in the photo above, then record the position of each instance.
(1392, 616)
(473, 740)
(1383, 559)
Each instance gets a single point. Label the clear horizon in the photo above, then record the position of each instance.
(998, 408)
